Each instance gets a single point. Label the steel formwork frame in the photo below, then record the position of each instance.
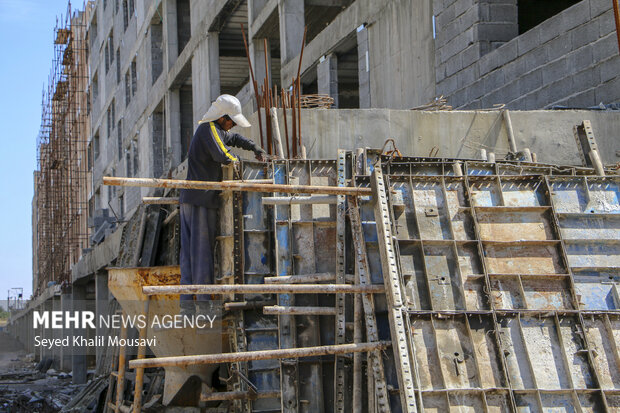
(62, 179)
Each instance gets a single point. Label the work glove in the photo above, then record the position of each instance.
(260, 154)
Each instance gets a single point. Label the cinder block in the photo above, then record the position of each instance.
(530, 81)
(453, 65)
(560, 90)
(528, 40)
(515, 69)
(606, 23)
(487, 63)
(536, 58)
(507, 52)
(582, 35)
(580, 59)
(493, 80)
(605, 48)
(560, 46)
(440, 73)
(447, 33)
(576, 15)
(503, 12)
(467, 76)
(608, 92)
(458, 98)
(509, 92)
(609, 69)
(497, 31)
(471, 54)
(443, 15)
(468, 19)
(475, 90)
(551, 28)
(598, 7)
(583, 100)
(585, 79)
(456, 45)
(555, 70)
(447, 86)
(461, 6)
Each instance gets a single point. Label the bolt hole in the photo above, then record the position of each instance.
(457, 354)
(443, 278)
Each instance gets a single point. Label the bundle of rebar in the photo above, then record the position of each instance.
(269, 99)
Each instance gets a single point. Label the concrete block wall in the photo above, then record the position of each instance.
(570, 59)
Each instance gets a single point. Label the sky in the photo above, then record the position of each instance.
(27, 32)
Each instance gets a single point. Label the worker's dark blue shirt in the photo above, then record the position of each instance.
(209, 148)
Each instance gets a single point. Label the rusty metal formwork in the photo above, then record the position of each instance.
(509, 275)
(61, 181)
(496, 284)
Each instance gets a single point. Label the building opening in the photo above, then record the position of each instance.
(534, 12)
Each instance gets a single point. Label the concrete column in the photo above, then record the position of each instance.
(254, 8)
(171, 41)
(363, 67)
(257, 54)
(66, 304)
(327, 77)
(292, 22)
(78, 357)
(205, 75)
(102, 299)
(173, 126)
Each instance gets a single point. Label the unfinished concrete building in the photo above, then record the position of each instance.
(154, 67)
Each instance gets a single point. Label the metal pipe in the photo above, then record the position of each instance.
(596, 162)
(171, 216)
(289, 310)
(491, 157)
(276, 133)
(288, 149)
(262, 289)
(509, 131)
(456, 167)
(137, 394)
(160, 200)
(296, 200)
(247, 305)
(357, 357)
(238, 395)
(120, 379)
(483, 154)
(235, 186)
(300, 279)
(182, 361)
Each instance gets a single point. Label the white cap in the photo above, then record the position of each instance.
(226, 105)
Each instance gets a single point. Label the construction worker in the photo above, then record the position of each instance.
(209, 148)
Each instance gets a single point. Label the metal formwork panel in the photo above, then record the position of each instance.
(511, 280)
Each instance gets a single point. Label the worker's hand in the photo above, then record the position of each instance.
(260, 154)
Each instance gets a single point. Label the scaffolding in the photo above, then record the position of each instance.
(62, 179)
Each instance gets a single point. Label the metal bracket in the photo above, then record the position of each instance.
(392, 280)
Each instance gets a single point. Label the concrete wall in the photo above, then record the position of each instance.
(570, 59)
(455, 133)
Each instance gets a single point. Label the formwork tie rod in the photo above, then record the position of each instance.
(183, 361)
(263, 289)
(235, 186)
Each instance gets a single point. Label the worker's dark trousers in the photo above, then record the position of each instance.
(198, 229)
